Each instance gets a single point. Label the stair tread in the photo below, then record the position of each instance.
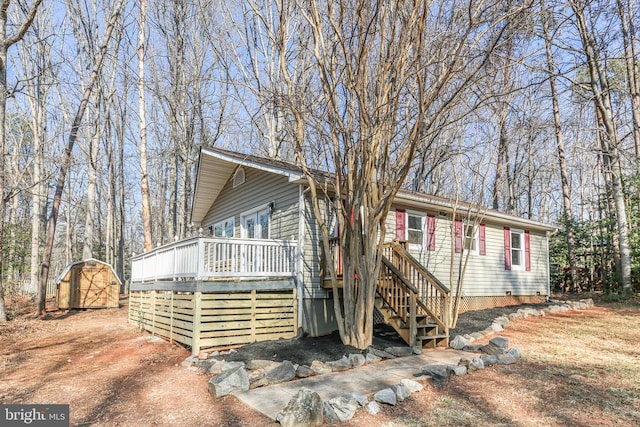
(427, 337)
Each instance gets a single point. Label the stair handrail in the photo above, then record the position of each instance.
(413, 296)
(443, 320)
(397, 247)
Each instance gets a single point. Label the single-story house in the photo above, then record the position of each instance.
(255, 269)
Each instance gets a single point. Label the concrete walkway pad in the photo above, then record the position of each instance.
(366, 379)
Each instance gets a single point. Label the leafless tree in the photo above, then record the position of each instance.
(381, 78)
(112, 22)
(6, 41)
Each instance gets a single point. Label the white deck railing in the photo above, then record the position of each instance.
(202, 258)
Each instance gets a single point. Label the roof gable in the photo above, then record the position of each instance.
(216, 166)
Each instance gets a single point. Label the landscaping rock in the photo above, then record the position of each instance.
(329, 414)
(399, 351)
(496, 327)
(372, 358)
(340, 365)
(457, 370)
(459, 342)
(203, 365)
(373, 408)
(229, 382)
(502, 321)
(304, 371)
(190, 361)
(472, 347)
(285, 371)
(320, 367)
(438, 372)
(380, 353)
(258, 379)
(305, 409)
(360, 398)
(488, 332)
(477, 335)
(356, 360)
(472, 364)
(489, 359)
(514, 316)
(261, 364)
(401, 392)
(506, 359)
(497, 345)
(344, 406)
(411, 385)
(515, 352)
(221, 366)
(386, 396)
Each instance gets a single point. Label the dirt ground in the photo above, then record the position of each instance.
(579, 368)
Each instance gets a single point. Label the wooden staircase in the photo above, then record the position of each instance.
(412, 300)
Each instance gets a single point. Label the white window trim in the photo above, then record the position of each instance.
(476, 238)
(521, 266)
(222, 223)
(423, 220)
(253, 211)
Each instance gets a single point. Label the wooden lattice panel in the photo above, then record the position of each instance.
(482, 303)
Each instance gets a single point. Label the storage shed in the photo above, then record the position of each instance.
(89, 283)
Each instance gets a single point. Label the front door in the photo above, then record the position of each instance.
(254, 225)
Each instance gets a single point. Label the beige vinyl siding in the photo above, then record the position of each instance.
(259, 189)
(313, 250)
(485, 275)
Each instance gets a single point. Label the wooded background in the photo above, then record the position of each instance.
(544, 124)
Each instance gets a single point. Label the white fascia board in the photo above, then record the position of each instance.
(293, 176)
(448, 206)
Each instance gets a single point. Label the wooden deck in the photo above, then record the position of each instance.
(205, 258)
(212, 292)
(202, 317)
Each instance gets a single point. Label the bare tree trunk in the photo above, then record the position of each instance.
(147, 227)
(629, 41)
(564, 174)
(5, 43)
(57, 198)
(601, 96)
(92, 172)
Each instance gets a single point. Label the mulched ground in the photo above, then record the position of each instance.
(305, 350)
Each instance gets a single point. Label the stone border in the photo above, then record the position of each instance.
(300, 411)
(465, 342)
(307, 408)
(260, 373)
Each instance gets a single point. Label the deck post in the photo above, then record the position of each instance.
(200, 260)
(171, 319)
(197, 316)
(253, 314)
(413, 327)
(153, 312)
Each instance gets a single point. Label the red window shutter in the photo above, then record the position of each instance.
(458, 235)
(482, 237)
(507, 248)
(527, 251)
(431, 232)
(401, 224)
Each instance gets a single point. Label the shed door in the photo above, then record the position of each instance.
(93, 287)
